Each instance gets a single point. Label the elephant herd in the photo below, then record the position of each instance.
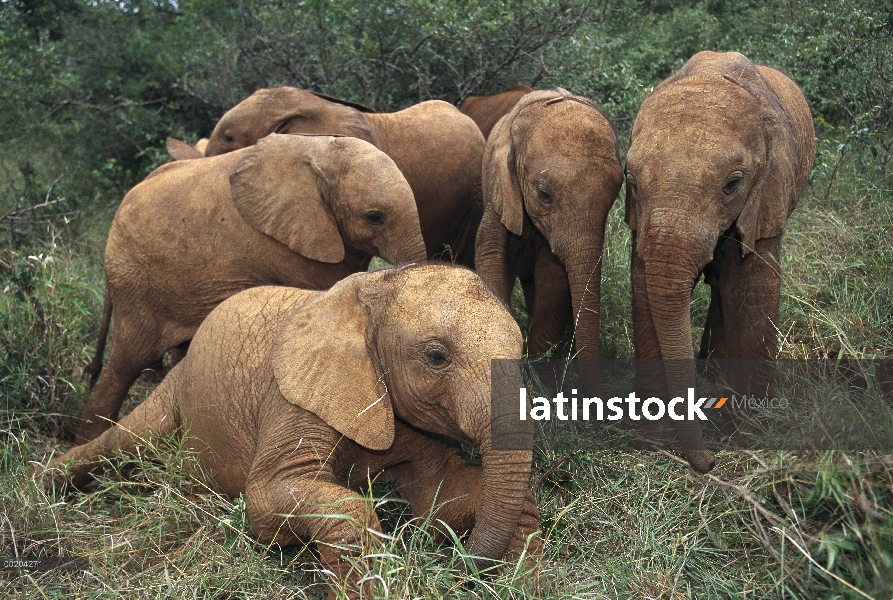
(298, 374)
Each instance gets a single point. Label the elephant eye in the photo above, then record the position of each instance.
(375, 218)
(731, 184)
(436, 353)
(544, 195)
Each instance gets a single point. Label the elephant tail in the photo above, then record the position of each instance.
(95, 366)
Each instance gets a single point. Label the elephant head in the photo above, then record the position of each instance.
(552, 163)
(413, 344)
(713, 156)
(337, 206)
(285, 110)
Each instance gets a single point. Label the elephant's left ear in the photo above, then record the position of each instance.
(322, 363)
(500, 175)
(280, 188)
(775, 193)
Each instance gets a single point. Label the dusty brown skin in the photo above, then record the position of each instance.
(303, 211)
(294, 397)
(487, 110)
(437, 148)
(719, 156)
(551, 173)
(179, 150)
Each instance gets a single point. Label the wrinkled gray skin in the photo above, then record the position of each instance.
(437, 148)
(719, 156)
(303, 211)
(297, 397)
(551, 173)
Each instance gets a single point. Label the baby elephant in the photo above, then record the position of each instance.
(302, 211)
(294, 397)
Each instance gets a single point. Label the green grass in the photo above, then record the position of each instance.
(616, 524)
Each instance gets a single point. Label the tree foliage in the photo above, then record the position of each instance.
(90, 90)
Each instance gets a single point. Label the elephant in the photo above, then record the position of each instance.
(179, 150)
(487, 110)
(551, 173)
(302, 211)
(437, 148)
(720, 153)
(385, 373)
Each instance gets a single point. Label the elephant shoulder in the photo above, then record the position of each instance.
(180, 183)
(250, 319)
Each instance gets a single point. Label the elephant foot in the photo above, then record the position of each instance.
(345, 577)
(701, 461)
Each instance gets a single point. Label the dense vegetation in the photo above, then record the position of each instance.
(89, 92)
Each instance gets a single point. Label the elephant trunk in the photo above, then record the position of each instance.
(506, 475)
(672, 263)
(506, 446)
(584, 274)
(409, 248)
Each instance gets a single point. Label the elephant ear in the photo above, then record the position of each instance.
(774, 194)
(178, 150)
(501, 184)
(322, 363)
(280, 187)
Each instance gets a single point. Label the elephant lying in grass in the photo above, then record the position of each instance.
(296, 397)
(720, 153)
(303, 211)
(437, 148)
(487, 110)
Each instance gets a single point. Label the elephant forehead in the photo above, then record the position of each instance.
(269, 98)
(695, 124)
(368, 162)
(450, 298)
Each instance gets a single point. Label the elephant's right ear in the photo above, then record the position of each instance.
(321, 363)
(281, 190)
(178, 150)
(500, 176)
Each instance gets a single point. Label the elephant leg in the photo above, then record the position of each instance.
(341, 538)
(439, 476)
(551, 318)
(747, 294)
(178, 353)
(712, 338)
(650, 379)
(551, 309)
(157, 416)
(155, 372)
(645, 341)
(134, 348)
